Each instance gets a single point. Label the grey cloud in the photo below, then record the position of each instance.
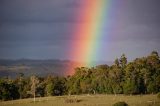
(35, 31)
(138, 32)
(35, 11)
(47, 26)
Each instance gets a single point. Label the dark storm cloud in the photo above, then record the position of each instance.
(74, 3)
(140, 20)
(138, 32)
(28, 27)
(144, 11)
(37, 11)
(28, 20)
(46, 26)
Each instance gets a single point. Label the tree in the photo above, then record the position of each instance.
(116, 62)
(34, 82)
(155, 53)
(130, 87)
(59, 86)
(8, 90)
(123, 61)
(116, 78)
(50, 89)
(20, 84)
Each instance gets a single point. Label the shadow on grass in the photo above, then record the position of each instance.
(72, 100)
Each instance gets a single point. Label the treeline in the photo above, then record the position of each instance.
(141, 76)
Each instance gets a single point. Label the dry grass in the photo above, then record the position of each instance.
(87, 100)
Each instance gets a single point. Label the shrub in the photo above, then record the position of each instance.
(120, 104)
(72, 100)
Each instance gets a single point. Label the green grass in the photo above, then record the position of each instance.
(87, 100)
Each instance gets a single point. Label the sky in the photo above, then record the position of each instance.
(42, 29)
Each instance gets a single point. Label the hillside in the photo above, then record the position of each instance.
(42, 68)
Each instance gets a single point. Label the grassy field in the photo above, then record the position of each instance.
(86, 100)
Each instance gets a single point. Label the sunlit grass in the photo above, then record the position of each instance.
(87, 100)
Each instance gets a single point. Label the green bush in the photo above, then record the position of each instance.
(158, 95)
(120, 104)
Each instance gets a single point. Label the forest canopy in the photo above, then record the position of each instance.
(140, 76)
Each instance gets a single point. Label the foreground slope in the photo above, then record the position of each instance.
(87, 100)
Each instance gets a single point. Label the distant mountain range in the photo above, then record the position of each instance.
(29, 67)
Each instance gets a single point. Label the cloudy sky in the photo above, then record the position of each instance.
(42, 29)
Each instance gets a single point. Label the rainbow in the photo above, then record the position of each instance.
(88, 33)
